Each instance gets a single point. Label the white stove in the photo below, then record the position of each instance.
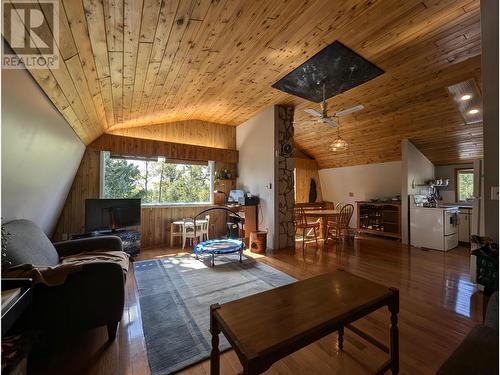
(432, 227)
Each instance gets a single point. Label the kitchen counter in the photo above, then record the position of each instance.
(439, 208)
(379, 202)
(458, 205)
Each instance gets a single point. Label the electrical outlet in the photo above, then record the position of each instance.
(494, 193)
(269, 186)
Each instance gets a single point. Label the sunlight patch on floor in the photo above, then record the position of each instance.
(189, 263)
(249, 254)
(170, 254)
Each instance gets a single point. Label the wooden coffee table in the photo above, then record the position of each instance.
(268, 326)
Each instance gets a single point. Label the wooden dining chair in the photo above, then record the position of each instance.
(301, 223)
(336, 228)
(205, 228)
(327, 205)
(188, 232)
(331, 220)
(176, 229)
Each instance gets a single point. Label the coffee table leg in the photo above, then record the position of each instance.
(341, 338)
(394, 310)
(214, 330)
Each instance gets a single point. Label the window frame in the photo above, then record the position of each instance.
(211, 167)
(457, 172)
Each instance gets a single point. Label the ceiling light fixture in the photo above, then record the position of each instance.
(467, 99)
(339, 144)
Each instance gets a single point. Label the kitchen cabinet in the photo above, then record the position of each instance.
(464, 225)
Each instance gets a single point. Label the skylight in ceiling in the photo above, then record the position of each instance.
(468, 100)
(339, 67)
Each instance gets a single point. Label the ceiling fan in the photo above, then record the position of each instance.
(332, 120)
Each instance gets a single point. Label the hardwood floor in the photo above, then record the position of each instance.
(438, 308)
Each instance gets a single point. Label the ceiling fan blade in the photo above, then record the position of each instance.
(313, 112)
(348, 111)
(329, 122)
(308, 122)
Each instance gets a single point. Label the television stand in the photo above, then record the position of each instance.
(131, 238)
(109, 232)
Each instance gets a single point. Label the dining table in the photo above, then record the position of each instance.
(323, 215)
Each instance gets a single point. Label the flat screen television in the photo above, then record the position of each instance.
(111, 214)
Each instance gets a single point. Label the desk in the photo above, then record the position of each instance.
(268, 326)
(323, 215)
(249, 214)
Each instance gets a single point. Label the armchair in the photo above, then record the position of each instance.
(90, 297)
(478, 353)
(72, 247)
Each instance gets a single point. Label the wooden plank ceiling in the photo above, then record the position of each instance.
(130, 63)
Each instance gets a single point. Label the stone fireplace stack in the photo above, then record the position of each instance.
(284, 175)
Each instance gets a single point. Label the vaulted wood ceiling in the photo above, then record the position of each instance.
(130, 63)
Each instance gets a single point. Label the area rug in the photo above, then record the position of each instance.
(175, 294)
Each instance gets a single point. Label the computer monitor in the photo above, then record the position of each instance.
(234, 195)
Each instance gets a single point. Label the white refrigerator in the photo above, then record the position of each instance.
(477, 217)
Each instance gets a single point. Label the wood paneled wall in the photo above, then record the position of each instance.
(146, 147)
(191, 132)
(85, 185)
(305, 170)
(156, 222)
(155, 219)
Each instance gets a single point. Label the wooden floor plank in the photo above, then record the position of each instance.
(439, 306)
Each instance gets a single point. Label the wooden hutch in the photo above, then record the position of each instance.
(379, 218)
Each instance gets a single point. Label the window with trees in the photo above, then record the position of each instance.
(464, 184)
(157, 180)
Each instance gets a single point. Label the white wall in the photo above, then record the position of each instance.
(255, 141)
(364, 181)
(40, 153)
(416, 169)
(489, 75)
(448, 194)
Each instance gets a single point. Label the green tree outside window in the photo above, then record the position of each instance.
(465, 184)
(120, 178)
(156, 181)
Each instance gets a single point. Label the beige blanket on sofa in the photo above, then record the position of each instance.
(54, 276)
